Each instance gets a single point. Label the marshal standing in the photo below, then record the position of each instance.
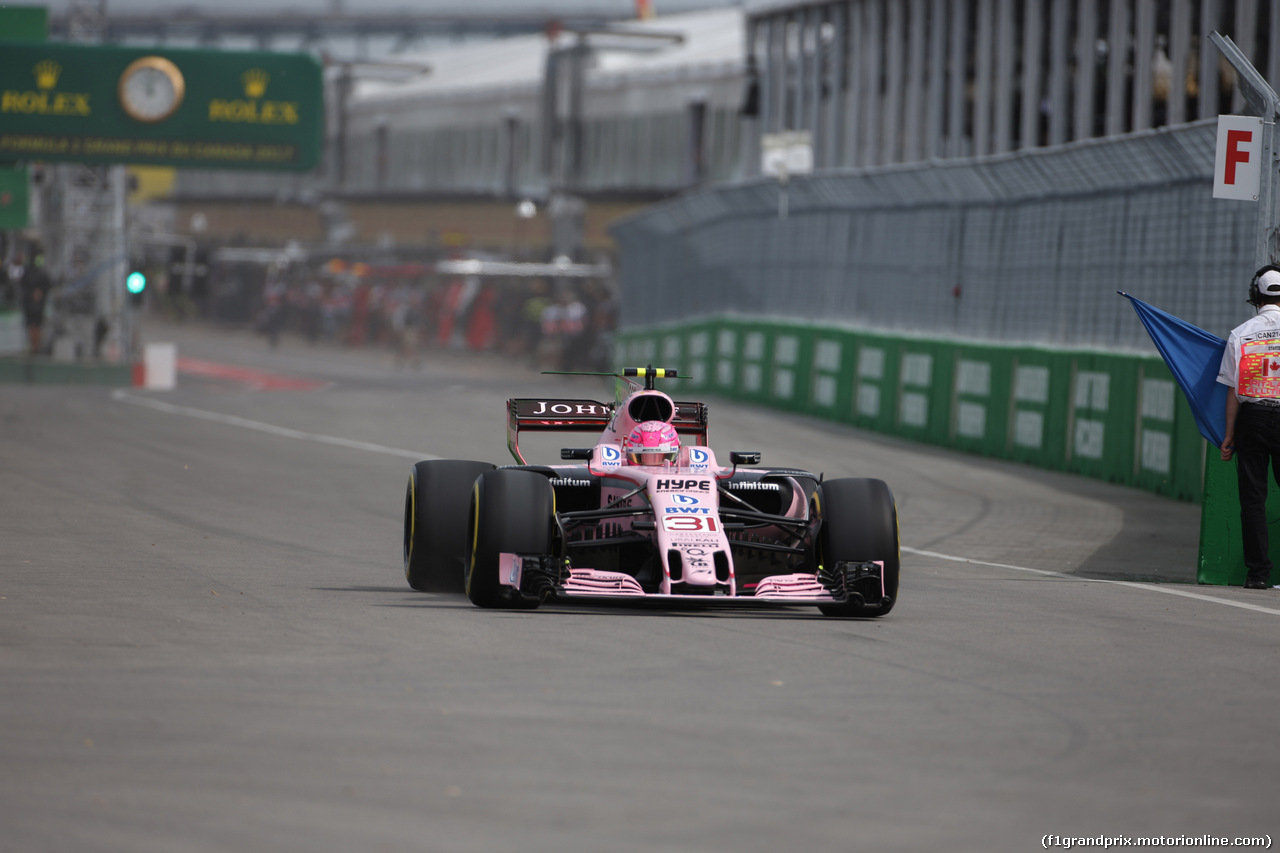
(1251, 368)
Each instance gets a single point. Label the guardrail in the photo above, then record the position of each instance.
(1110, 416)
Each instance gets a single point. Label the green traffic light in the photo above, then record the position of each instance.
(136, 282)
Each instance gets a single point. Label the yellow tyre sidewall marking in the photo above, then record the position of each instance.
(475, 534)
(413, 520)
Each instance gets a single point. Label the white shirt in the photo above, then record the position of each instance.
(1254, 343)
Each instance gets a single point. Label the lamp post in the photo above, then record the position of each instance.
(1263, 99)
(563, 93)
(525, 211)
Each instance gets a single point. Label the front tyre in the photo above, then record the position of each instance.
(512, 511)
(860, 524)
(435, 523)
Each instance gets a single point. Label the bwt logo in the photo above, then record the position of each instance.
(684, 499)
(699, 457)
(683, 485)
(688, 510)
(610, 456)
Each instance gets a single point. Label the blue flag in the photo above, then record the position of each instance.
(1194, 357)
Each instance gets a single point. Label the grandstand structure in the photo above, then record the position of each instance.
(442, 148)
(642, 109)
(267, 31)
(902, 81)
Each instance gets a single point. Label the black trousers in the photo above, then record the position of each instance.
(1257, 446)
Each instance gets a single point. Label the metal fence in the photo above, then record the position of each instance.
(1022, 248)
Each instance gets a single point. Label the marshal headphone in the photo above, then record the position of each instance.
(1255, 293)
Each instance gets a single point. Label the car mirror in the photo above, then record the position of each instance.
(744, 457)
(583, 453)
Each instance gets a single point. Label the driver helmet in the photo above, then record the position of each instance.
(652, 443)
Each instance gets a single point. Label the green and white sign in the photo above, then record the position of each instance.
(162, 106)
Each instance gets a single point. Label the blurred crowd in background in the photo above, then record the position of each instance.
(408, 310)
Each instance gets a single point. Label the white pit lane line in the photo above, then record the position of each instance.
(1167, 589)
(284, 432)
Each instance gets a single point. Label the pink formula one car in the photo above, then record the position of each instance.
(642, 518)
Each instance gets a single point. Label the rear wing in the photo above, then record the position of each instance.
(558, 415)
(570, 415)
(691, 419)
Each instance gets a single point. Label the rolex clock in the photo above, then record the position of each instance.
(151, 89)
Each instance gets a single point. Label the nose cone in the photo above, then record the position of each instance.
(699, 575)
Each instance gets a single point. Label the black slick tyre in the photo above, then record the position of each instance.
(860, 524)
(512, 511)
(435, 523)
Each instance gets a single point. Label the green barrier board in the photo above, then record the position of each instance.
(1221, 553)
(1114, 417)
(875, 383)
(39, 372)
(1108, 416)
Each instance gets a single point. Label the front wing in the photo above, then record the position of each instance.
(543, 578)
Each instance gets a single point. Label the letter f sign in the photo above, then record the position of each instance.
(1238, 164)
(1236, 154)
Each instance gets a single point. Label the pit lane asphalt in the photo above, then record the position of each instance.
(206, 644)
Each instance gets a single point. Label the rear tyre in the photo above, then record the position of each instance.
(860, 524)
(435, 523)
(512, 511)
